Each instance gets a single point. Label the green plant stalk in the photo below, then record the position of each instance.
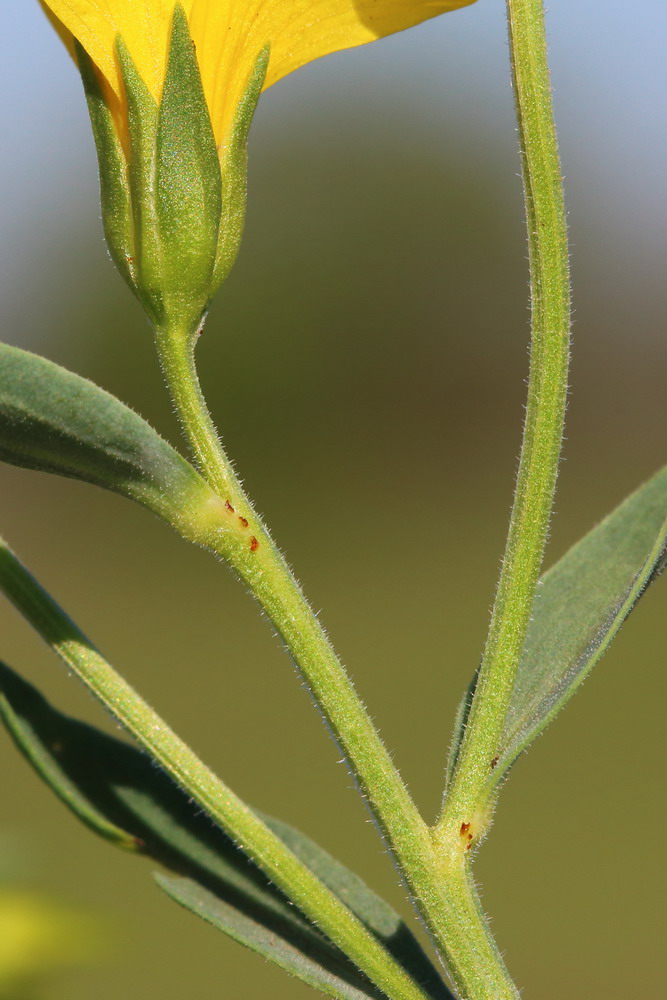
(434, 864)
(442, 888)
(255, 557)
(219, 801)
(543, 429)
(446, 899)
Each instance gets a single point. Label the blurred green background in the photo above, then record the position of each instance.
(366, 363)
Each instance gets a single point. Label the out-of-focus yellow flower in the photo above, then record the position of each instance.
(229, 35)
(39, 937)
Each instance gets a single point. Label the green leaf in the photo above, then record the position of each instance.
(118, 792)
(55, 421)
(460, 723)
(261, 938)
(580, 606)
(33, 725)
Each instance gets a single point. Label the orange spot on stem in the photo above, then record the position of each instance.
(254, 544)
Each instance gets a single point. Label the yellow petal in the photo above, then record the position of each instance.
(229, 34)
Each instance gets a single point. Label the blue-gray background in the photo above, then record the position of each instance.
(366, 363)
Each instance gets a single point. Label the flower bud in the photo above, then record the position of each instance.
(172, 205)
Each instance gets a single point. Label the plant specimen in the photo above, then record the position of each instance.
(171, 92)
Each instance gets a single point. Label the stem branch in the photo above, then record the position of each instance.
(543, 430)
(441, 887)
(251, 551)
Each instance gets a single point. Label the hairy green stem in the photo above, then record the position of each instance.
(434, 863)
(251, 551)
(440, 885)
(220, 802)
(543, 430)
(452, 911)
(175, 349)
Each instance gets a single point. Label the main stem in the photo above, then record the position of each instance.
(433, 862)
(439, 883)
(543, 430)
(250, 550)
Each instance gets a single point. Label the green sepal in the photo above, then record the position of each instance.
(234, 166)
(142, 117)
(118, 792)
(55, 421)
(188, 184)
(114, 181)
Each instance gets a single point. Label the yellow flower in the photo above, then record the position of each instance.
(171, 89)
(39, 938)
(229, 35)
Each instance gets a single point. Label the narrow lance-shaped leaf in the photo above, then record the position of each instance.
(580, 606)
(118, 792)
(56, 421)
